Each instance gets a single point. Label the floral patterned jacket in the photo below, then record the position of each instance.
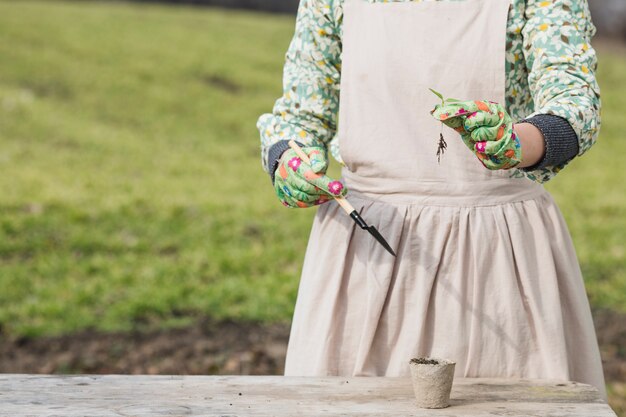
(549, 61)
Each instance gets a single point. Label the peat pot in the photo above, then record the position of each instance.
(432, 381)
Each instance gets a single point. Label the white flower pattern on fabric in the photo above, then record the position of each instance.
(550, 68)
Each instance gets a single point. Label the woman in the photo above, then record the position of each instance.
(486, 273)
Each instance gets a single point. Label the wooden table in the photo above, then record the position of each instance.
(116, 395)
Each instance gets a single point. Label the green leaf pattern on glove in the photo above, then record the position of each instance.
(298, 184)
(486, 129)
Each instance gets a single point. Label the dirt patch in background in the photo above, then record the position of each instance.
(207, 347)
(611, 332)
(211, 347)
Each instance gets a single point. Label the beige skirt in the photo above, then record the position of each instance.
(493, 285)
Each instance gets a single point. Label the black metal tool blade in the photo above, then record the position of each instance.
(372, 230)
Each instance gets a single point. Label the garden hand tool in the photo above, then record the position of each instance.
(486, 129)
(346, 205)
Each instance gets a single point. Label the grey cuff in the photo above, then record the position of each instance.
(274, 154)
(561, 140)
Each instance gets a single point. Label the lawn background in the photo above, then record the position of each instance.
(131, 190)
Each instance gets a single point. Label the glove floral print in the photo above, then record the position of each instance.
(298, 184)
(486, 129)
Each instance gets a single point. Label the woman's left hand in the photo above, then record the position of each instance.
(486, 129)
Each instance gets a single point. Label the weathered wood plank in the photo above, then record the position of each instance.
(115, 395)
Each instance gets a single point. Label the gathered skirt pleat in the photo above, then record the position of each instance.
(496, 288)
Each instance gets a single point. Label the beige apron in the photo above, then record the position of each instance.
(486, 272)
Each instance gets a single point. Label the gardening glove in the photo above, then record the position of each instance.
(299, 184)
(486, 129)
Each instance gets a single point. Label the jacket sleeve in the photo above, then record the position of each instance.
(307, 111)
(561, 75)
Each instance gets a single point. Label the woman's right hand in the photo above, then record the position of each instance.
(299, 184)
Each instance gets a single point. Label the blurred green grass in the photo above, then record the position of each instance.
(132, 192)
